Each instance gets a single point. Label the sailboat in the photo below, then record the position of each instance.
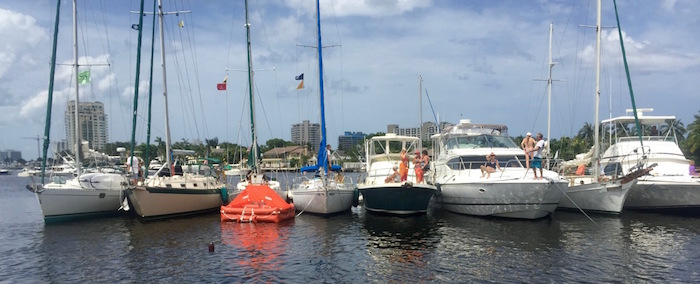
(86, 194)
(255, 198)
(595, 193)
(171, 191)
(322, 194)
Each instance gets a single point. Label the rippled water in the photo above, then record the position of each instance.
(354, 247)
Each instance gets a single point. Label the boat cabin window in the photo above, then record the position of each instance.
(613, 169)
(475, 162)
(479, 141)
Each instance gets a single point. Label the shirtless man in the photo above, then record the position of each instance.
(528, 144)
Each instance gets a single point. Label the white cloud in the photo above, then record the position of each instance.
(18, 32)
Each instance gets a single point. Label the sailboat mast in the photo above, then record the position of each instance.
(420, 111)
(168, 162)
(596, 151)
(47, 128)
(254, 148)
(136, 86)
(77, 88)
(549, 93)
(321, 149)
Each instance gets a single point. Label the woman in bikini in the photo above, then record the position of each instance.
(528, 144)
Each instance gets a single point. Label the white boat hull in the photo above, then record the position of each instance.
(655, 193)
(94, 195)
(313, 197)
(510, 199)
(164, 197)
(608, 197)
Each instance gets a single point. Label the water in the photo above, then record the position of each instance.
(354, 247)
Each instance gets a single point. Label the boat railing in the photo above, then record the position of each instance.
(646, 138)
(465, 167)
(333, 179)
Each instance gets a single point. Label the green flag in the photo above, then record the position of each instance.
(84, 77)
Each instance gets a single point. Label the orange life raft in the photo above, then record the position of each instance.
(257, 203)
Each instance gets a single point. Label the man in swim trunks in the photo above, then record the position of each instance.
(537, 159)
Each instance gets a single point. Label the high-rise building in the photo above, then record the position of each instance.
(10, 156)
(349, 139)
(428, 129)
(93, 124)
(307, 133)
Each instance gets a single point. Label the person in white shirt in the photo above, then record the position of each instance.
(537, 159)
(132, 163)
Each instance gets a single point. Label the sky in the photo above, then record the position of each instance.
(478, 60)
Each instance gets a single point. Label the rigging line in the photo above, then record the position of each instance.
(195, 62)
(188, 83)
(186, 121)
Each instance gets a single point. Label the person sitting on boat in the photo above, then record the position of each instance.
(394, 176)
(417, 167)
(490, 166)
(581, 170)
(654, 131)
(691, 168)
(528, 144)
(403, 166)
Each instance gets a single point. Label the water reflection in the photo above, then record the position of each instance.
(662, 242)
(401, 248)
(257, 249)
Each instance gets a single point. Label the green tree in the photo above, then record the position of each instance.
(691, 146)
(677, 128)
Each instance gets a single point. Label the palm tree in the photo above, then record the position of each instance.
(677, 127)
(692, 143)
(586, 133)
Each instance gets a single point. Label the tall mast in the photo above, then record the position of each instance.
(168, 162)
(322, 148)
(254, 148)
(549, 93)
(596, 151)
(420, 111)
(77, 88)
(47, 127)
(136, 86)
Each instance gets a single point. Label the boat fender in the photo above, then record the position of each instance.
(355, 198)
(224, 195)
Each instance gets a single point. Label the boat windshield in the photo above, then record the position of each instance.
(479, 141)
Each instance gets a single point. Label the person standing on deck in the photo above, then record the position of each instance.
(537, 159)
(418, 166)
(132, 163)
(528, 144)
(403, 165)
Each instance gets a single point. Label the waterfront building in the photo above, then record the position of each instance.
(428, 129)
(11, 155)
(93, 124)
(350, 139)
(307, 133)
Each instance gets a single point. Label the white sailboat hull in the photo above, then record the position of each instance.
(523, 199)
(163, 197)
(92, 194)
(313, 197)
(608, 197)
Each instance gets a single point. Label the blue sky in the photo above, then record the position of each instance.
(478, 60)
